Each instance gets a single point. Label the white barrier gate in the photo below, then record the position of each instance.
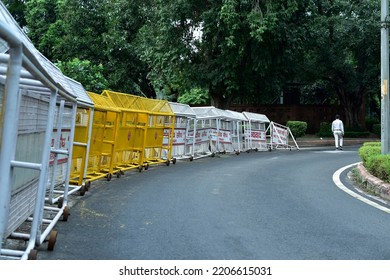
(30, 89)
(279, 137)
(183, 140)
(206, 142)
(255, 131)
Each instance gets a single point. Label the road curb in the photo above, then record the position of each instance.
(373, 183)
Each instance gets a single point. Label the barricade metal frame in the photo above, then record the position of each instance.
(279, 137)
(255, 131)
(81, 142)
(239, 121)
(158, 140)
(205, 131)
(102, 142)
(182, 146)
(129, 147)
(32, 88)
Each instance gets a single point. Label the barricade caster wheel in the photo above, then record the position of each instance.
(109, 177)
(146, 166)
(237, 153)
(83, 189)
(65, 214)
(88, 185)
(256, 150)
(140, 168)
(191, 158)
(122, 172)
(174, 160)
(248, 151)
(213, 155)
(167, 162)
(52, 240)
(33, 255)
(60, 202)
(118, 174)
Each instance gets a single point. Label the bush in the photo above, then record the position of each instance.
(298, 128)
(367, 151)
(325, 130)
(379, 166)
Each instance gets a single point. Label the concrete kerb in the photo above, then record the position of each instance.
(379, 187)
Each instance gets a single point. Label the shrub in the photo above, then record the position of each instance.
(298, 128)
(377, 143)
(325, 130)
(367, 151)
(379, 166)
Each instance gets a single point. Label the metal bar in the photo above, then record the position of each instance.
(43, 176)
(8, 139)
(27, 165)
(385, 142)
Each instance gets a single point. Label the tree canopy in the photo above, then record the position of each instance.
(221, 51)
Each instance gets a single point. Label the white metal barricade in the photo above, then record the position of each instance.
(29, 93)
(81, 142)
(183, 140)
(279, 137)
(255, 137)
(239, 121)
(206, 131)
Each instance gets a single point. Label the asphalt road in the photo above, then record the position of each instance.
(279, 205)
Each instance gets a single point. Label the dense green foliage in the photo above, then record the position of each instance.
(368, 150)
(236, 51)
(325, 130)
(297, 128)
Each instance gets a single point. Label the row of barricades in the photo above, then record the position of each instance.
(56, 138)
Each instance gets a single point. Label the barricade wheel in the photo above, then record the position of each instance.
(237, 153)
(65, 214)
(248, 151)
(174, 160)
(167, 162)
(191, 158)
(140, 168)
(122, 172)
(52, 240)
(60, 202)
(88, 185)
(256, 150)
(147, 166)
(109, 177)
(213, 155)
(33, 255)
(83, 189)
(118, 174)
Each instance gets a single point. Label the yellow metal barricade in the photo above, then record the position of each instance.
(82, 134)
(159, 132)
(102, 142)
(79, 155)
(129, 147)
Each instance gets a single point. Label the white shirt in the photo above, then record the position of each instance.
(337, 125)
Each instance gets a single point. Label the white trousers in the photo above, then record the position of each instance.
(338, 138)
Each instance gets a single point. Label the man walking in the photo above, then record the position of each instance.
(338, 132)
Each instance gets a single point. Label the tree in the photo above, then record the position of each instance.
(232, 48)
(344, 51)
(89, 75)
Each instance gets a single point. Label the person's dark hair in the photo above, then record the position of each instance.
(337, 116)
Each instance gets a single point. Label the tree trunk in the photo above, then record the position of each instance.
(353, 103)
(219, 98)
